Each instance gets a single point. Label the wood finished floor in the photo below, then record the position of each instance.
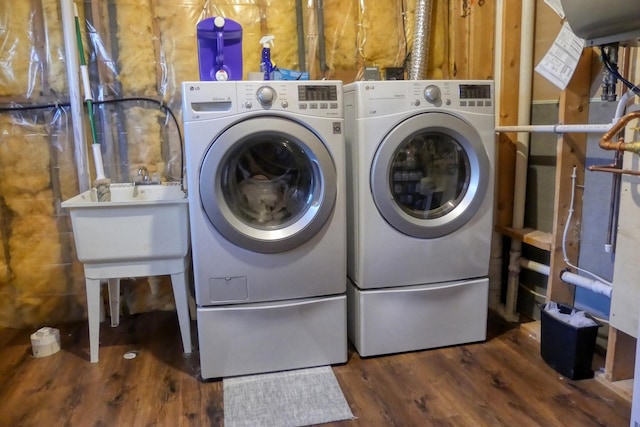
(500, 382)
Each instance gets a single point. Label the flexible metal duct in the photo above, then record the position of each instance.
(422, 31)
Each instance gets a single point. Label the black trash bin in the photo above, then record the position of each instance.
(566, 348)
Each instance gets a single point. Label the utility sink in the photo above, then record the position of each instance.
(142, 231)
(140, 223)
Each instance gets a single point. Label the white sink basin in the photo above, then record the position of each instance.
(144, 222)
(128, 194)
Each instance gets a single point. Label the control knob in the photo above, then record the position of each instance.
(432, 94)
(266, 95)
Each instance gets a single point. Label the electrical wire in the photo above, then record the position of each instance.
(34, 107)
(566, 230)
(163, 107)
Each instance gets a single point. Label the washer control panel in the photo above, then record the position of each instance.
(318, 98)
(266, 95)
(432, 94)
(206, 99)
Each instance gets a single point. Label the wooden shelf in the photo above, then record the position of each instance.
(536, 238)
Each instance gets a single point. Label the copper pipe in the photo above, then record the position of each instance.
(620, 145)
(609, 168)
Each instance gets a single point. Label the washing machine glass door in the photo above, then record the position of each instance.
(430, 174)
(268, 184)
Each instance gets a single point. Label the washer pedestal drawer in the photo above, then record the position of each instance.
(408, 318)
(245, 339)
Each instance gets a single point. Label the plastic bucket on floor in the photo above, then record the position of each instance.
(566, 348)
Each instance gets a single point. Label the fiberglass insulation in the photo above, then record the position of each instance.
(137, 43)
(142, 48)
(38, 285)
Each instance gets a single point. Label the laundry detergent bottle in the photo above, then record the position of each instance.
(266, 67)
(220, 49)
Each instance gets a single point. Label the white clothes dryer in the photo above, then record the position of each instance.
(420, 158)
(265, 168)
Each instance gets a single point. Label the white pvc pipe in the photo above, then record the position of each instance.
(569, 277)
(495, 259)
(559, 128)
(497, 58)
(625, 98)
(527, 25)
(75, 98)
(535, 266)
(622, 104)
(524, 109)
(97, 158)
(584, 282)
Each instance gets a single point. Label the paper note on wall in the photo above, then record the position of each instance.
(560, 62)
(556, 6)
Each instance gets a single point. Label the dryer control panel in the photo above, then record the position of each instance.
(212, 99)
(380, 98)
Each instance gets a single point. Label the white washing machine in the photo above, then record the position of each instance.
(420, 158)
(266, 185)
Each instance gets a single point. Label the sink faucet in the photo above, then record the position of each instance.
(143, 174)
(143, 177)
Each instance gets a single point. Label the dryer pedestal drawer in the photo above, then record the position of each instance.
(244, 339)
(394, 320)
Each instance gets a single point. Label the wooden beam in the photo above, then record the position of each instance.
(508, 113)
(539, 239)
(459, 12)
(621, 356)
(40, 45)
(571, 154)
(481, 39)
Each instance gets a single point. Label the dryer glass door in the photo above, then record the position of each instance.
(268, 184)
(430, 174)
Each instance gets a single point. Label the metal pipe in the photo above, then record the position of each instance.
(609, 80)
(613, 169)
(620, 145)
(300, 20)
(322, 57)
(122, 166)
(614, 209)
(420, 47)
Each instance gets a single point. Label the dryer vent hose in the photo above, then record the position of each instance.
(421, 34)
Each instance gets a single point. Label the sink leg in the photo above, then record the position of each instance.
(114, 301)
(93, 309)
(180, 292)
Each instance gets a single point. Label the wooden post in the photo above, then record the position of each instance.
(571, 152)
(621, 356)
(459, 35)
(481, 39)
(508, 114)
